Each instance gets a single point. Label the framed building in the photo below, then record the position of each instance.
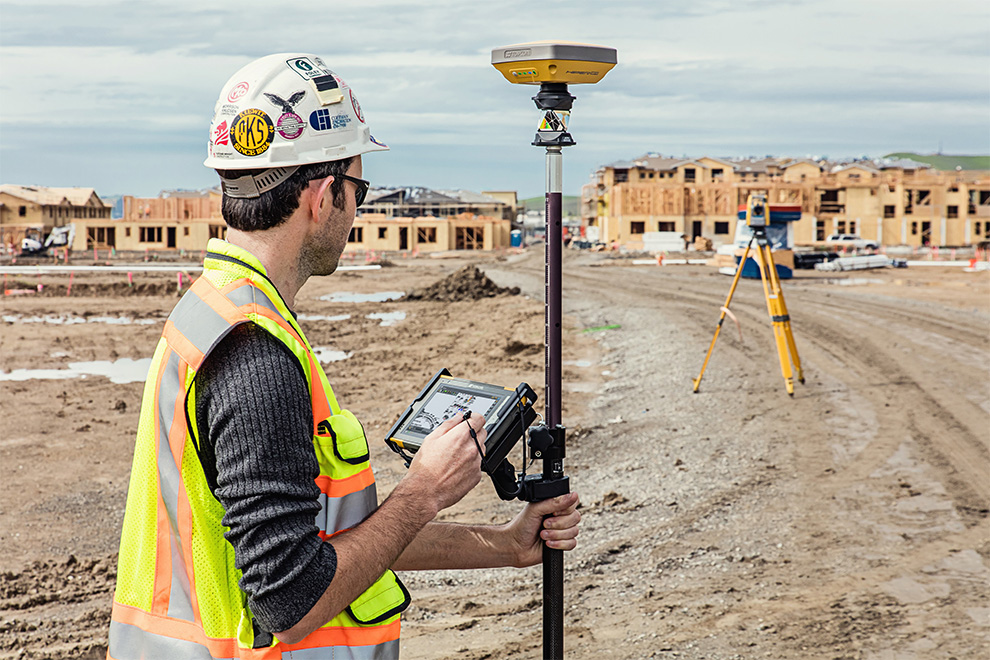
(897, 202)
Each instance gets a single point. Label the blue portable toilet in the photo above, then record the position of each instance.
(515, 238)
(779, 234)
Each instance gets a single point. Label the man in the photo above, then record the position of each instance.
(252, 527)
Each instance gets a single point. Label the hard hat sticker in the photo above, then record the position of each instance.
(289, 125)
(356, 106)
(286, 105)
(251, 132)
(322, 120)
(306, 68)
(237, 91)
(374, 141)
(221, 134)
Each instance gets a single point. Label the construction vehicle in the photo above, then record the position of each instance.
(35, 242)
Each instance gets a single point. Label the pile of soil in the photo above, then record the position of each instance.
(468, 283)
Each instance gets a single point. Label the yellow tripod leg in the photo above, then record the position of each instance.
(786, 322)
(721, 318)
(768, 274)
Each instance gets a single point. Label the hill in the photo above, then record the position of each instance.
(947, 163)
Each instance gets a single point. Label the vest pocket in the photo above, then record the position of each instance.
(346, 436)
(383, 600)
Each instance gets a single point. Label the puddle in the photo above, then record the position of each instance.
(124, 370)
(326, 354)
(67, 319)
(388, 318)
(318, 317)
(350, 297)
(853, 281)
(577, 363)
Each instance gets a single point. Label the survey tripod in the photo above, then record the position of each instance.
(757, 217)
(552, 65)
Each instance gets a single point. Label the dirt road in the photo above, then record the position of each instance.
(848, 522)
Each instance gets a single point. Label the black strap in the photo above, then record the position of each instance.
(474, 435)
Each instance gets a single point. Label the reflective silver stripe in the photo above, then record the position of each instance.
(129, 642)
(169, 482)
(383, 651)
(168, 472)
(198, 322)
(248, 294)
(337, 513)
(180, 591)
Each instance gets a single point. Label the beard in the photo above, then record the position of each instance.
(321, 255)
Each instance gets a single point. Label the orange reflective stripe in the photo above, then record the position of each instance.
(219, 302)
(178, 342)
(163, 555)
(175, 628)
(348, 636)
(227, 648)
(322, 408)
(274, 316)
(347, 485)
(163, 563)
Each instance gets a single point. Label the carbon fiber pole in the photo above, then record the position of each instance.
(553, 560)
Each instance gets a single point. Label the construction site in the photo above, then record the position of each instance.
(848, 521)
(890, 201)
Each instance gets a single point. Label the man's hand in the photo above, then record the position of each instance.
(448, 465)
(554, 522)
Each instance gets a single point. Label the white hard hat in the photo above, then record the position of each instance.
(282, 111)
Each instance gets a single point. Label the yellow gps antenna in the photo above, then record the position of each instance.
(552, 65)
(758, 215)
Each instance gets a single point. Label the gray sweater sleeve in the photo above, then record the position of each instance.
(254, 412)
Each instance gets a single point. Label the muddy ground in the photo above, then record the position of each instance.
(850, 521)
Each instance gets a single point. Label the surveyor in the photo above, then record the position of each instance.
(252, 525)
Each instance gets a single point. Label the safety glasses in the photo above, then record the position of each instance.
(360, 188)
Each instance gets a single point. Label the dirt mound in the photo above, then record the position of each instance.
(468, 283)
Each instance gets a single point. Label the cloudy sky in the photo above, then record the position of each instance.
(118, 95)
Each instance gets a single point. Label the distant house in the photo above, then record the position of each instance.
(175, 220)
(37, 210)
(425, 220)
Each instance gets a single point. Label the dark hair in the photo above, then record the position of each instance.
(274, 207)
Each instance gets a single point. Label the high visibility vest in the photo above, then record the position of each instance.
(177, 592)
